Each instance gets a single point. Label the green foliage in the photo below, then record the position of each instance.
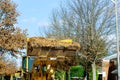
(77, 71)
(60, 75)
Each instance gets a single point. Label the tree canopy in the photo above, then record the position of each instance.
(12, 39)
(7, 67)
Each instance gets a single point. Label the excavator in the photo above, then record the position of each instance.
(45, 55)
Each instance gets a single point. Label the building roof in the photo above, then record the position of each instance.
(113, 56)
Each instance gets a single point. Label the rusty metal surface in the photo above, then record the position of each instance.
(58, 44)
(38, 46)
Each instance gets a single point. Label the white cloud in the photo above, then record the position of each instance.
(29, 20)
(36, 22)
(111, 36)
(43, 24)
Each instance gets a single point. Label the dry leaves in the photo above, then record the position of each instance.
(7, 67)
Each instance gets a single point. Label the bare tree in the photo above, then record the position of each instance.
(89, 22)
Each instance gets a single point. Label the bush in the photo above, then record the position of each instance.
(60, 75)
(77, 71)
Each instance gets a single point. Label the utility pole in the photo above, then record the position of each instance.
(117, 37)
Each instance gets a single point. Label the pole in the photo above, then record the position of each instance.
(27, 63)
(117, 39)
(27, 55)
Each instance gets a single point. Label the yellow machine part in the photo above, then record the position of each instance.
(66, 40)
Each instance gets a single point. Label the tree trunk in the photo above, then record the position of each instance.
(63, 76)
(11, 77)
(94, 70)
(69, 75)
(2, 77)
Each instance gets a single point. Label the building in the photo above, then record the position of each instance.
(109, 67)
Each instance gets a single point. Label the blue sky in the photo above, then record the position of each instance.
(35, 14)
